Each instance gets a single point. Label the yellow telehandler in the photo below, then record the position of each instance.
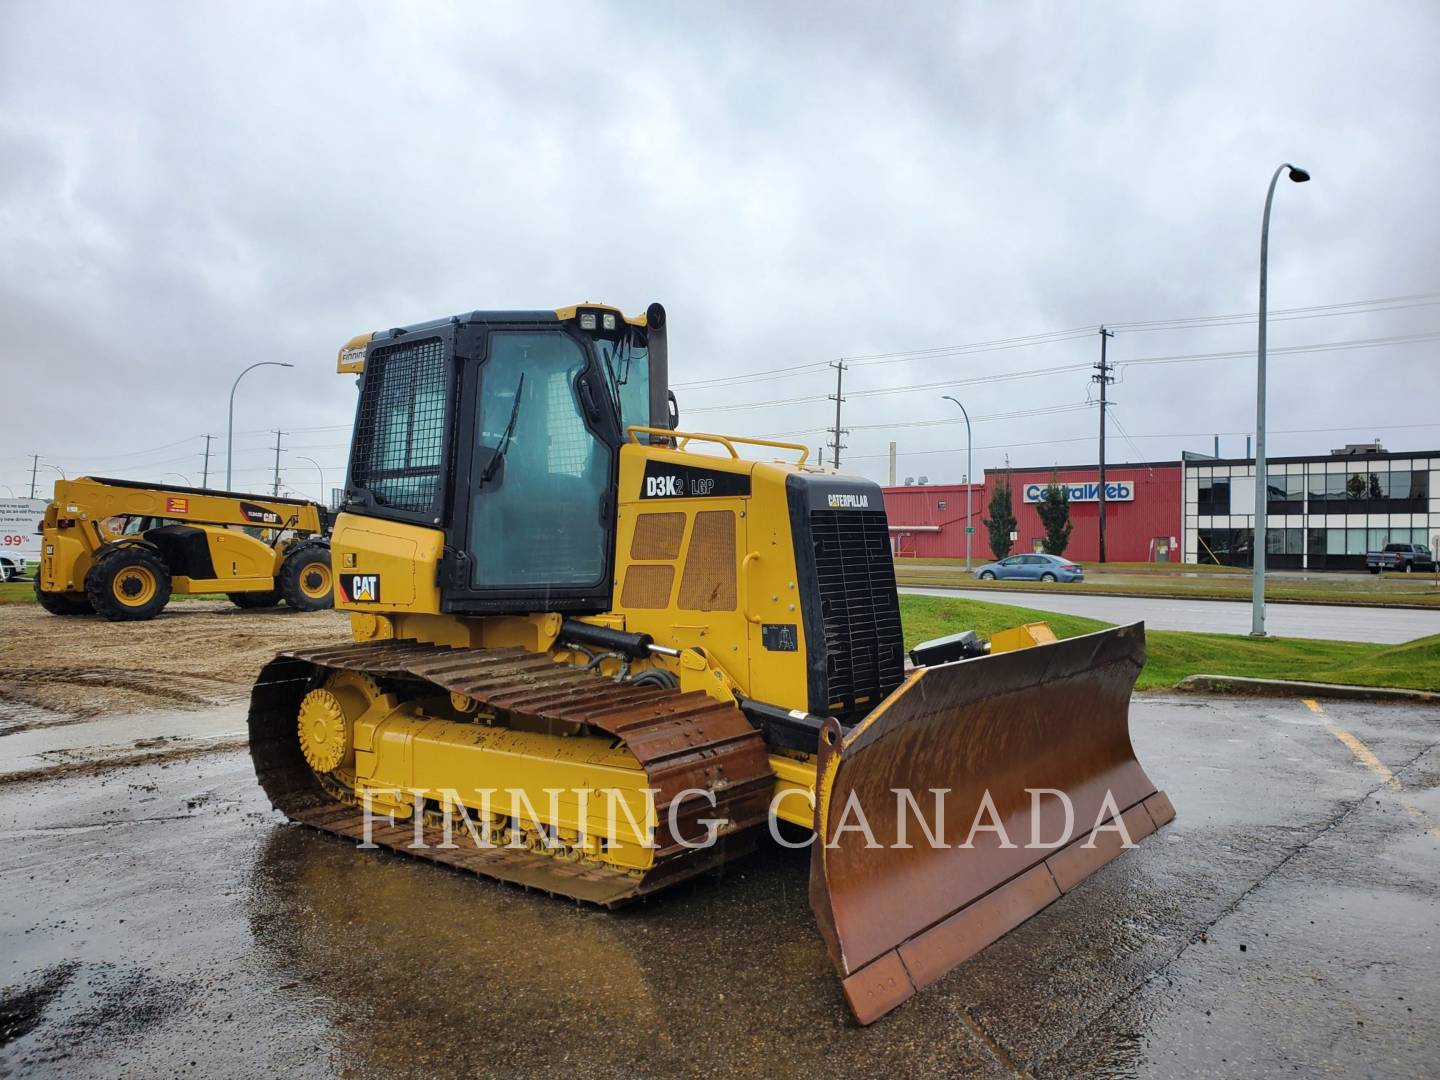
(121, 548)
(617, 654)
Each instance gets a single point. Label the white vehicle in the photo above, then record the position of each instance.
(12, 567)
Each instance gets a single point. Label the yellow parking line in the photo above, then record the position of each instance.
(1366, 757)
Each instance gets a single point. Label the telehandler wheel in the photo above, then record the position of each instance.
(128, 584)
(63, 603)
(252, 600)
(305, 578)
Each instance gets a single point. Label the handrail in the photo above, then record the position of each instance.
(752, 556)
(727, 441)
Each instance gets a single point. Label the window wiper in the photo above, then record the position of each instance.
(612, 382)
(503, 446)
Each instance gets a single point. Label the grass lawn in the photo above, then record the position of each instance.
(1172, 654)
(23, 592)
(1410, 590)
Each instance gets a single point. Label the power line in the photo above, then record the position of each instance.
(908, 388)
(1019, 414)
(1350, 307)
(1245, 320)
(1007, 376)
(1323, 346)
(1425, 298)
(1157, 435)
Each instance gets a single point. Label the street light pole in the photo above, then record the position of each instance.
(188, 482)
(969, 478)
(1262, 493)
(318, 469)
(230, 431)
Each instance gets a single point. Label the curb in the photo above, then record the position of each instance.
(1239, 684)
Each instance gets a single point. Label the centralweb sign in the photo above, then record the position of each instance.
(1115, 491)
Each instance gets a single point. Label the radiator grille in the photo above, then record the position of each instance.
(400, 432)
(864, 647)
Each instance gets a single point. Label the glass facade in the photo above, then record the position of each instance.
(1323, 512)
(1374, 484)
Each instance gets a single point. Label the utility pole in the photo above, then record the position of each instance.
(205, 476)
(278, 435)
(1104, 378)
(838, 397)
(892, 464)
(34, 467)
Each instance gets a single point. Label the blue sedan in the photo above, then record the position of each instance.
(1031, 568)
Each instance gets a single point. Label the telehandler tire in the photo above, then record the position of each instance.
(63, 603)
(252, 600)
(128, 584)
(305, 579)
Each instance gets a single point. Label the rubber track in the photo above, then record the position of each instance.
(682, 740)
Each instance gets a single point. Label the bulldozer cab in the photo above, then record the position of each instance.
(525, 412)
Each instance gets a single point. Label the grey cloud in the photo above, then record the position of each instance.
(184, 190)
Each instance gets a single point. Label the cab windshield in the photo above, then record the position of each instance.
(626, 363)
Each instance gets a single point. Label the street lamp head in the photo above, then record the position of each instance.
(1298, 174)
(283, 364)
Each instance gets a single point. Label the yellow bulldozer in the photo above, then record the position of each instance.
(595, 655)
(122, 548)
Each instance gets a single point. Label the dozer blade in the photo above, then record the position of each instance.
(896, 917)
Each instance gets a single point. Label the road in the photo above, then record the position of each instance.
(1327, 622)
(159, 919)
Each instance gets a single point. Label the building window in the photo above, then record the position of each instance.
(940, 504)
(1285, 487)
(1357, 486)
(1230, 547)
(1214, 496)
(1419, 484)
(1284, 541)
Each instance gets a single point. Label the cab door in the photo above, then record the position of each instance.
(533, 528)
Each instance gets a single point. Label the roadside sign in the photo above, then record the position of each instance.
(970, 528)
(1014, 536)
(20, 527)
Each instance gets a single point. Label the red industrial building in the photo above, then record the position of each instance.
(1143, 516)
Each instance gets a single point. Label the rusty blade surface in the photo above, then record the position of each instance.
(1052, 717)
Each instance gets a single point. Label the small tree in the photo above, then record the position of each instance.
(1054, 510)
(1001, 522)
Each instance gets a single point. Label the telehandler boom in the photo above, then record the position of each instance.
(614, 652)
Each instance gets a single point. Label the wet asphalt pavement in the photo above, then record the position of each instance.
(158, 920)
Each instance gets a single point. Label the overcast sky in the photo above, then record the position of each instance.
(188, 188)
